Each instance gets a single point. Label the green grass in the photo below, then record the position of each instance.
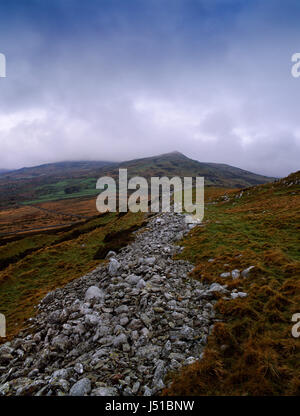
(14, 249)
(57, 191)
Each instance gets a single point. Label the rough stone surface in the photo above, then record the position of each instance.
(94, 293)
(81, 387)
(235, 274)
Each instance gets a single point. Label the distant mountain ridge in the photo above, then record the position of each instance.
(56, 168)
(177, 164)
(3, 171)
(77, 179)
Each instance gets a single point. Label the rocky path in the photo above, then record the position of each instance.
(118, 330)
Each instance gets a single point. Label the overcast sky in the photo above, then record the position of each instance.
(117, 80)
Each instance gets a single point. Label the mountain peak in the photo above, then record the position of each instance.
(173, 153)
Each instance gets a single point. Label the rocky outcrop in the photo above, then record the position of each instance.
(118, 330)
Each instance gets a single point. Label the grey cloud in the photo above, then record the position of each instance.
(219, 95)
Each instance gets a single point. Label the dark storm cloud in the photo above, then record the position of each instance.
(118, 80)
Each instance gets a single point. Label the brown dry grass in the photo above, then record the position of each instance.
(55, 263)
(77, 206)
(252, 351)
(59, 213)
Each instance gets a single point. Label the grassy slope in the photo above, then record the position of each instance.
(54, 263)
(177, 164)
(56, 191)
(252, 351)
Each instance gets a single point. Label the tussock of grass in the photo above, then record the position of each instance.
(252, 351)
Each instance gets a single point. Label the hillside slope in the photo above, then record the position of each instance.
(66, 169)
(177, 164)
(78, 179)
(252, 350)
